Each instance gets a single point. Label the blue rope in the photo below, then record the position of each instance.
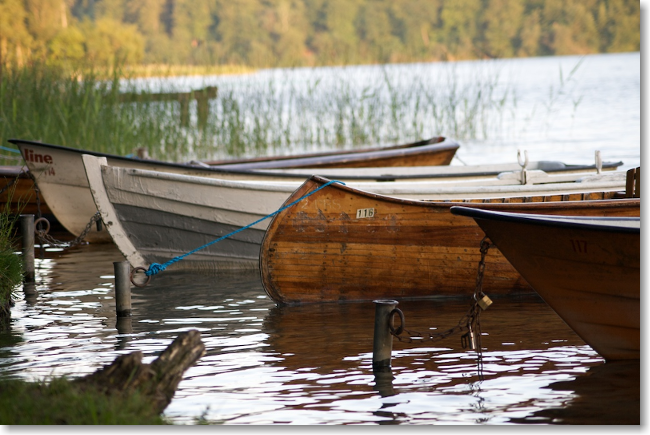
(155, 268)
(9, 149)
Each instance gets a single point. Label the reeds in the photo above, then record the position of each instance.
(268, 113)
(11, 264)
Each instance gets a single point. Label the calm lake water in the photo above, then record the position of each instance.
(313, 364)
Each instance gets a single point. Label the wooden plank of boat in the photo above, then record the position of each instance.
(586, 268)
(62, 181)
(163, 215)
(343, 244)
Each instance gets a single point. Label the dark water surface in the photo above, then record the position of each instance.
(313, 364)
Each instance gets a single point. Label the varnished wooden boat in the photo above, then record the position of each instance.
(343, 244)
(587, 268)
(63, 184)
(436, 151)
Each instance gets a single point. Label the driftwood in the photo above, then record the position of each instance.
(158, 380)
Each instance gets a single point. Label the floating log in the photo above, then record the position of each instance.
(158, 380)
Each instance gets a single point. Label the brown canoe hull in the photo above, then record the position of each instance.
(320, 251)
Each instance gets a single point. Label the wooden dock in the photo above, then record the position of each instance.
(202, 97)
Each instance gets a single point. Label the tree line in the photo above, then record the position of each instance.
(288, 33)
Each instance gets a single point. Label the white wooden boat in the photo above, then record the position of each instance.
(586, 268)
(63, 185)
(156, 216)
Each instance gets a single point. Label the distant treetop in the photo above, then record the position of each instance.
(286, 33)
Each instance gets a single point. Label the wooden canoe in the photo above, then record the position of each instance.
(586, 268)
(343, 244)
(63, 184)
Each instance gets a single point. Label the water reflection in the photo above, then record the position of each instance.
(313, 364)
(606, 394)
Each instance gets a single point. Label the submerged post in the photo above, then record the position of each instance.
(122, 288)
(383, 340)
(27, 233)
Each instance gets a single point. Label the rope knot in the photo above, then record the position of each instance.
(154, 269)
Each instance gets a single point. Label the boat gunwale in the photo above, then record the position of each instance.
(292, 174)
(581, 223)
(434, 203)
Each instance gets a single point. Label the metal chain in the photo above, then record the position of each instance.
(36, 191)
(9, 184)
(44, 237)
(470, 322)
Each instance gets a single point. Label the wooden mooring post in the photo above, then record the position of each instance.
(202, 97)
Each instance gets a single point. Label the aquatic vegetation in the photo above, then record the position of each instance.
(11, 266)
(266, 113)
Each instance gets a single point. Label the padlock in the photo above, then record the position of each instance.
(484, 302)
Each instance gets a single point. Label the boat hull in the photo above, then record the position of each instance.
(590, 277)
(342, 244)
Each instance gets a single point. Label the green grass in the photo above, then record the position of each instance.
(61, 402)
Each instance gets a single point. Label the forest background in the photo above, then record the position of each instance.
(294, 33)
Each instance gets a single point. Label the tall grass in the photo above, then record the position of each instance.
(79, 110)
(11, 265)
(265, 114)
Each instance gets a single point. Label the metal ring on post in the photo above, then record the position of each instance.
(390, 322)
(38, 221)
(134, 271)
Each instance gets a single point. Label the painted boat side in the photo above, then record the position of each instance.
(588, 272)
